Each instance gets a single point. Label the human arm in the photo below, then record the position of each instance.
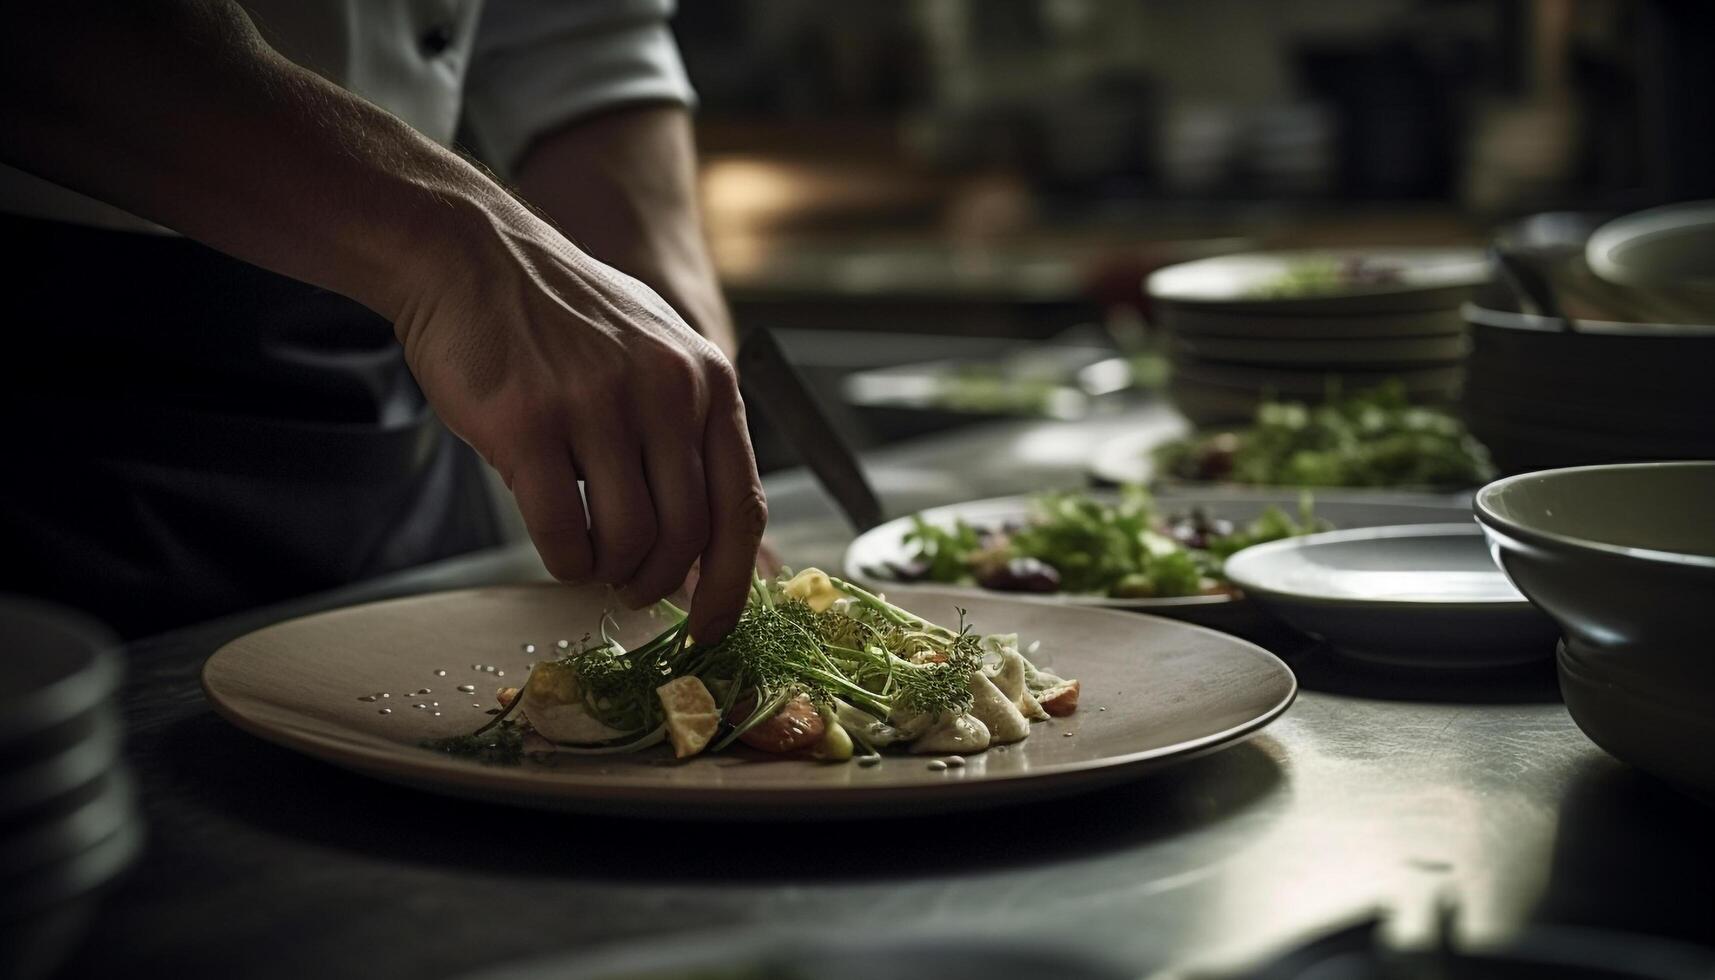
(550, 363)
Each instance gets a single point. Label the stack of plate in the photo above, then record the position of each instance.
(1240, 334)
(1541, 396)
(68, 818)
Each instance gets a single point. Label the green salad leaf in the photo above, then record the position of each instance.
(1122, 547)
(1373, 438)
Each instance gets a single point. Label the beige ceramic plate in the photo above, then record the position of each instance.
(1171, 691)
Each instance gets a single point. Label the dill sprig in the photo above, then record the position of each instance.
(943, 685)
(868, 653)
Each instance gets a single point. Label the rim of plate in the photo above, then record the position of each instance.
(709, 950)
(1423, 268)
(83, 687)
(1641, 227)
(1534, 323)
(1109, 460)
(1262, 551)
(1677, 559)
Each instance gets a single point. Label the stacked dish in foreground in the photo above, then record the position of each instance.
(1623, 558)
(1296, 324)
(68, 819)
(1542, 393)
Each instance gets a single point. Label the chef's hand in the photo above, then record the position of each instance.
(557, 368)
(551, 364)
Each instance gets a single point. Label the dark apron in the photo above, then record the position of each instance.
(190, 435)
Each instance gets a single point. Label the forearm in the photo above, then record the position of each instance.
(548, 363)
(622, 185)
(179, 112)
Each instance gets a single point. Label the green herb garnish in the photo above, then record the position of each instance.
(1373, 438)
(1123, 548)
(870, 654)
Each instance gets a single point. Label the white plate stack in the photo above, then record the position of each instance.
(68, 815)
(1543, 396)
(1237, 337)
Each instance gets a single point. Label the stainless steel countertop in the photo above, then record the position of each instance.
(1372, 792)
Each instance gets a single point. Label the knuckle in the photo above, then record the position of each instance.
(563, 544)
(501, 458)
(697, 535)
(653, 585)
(750, 512)
(679, 369)
(570, 568)
(679, 553)
(620, 549)
(720, 374)
(538, 412)
(676, 388)
(665, 568)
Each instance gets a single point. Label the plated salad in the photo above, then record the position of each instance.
(816, 668)
(1372, 438)
(1076, 543)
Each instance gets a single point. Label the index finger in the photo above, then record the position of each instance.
(546, 488)
(738, 514)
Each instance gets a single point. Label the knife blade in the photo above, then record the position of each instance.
(770, 381)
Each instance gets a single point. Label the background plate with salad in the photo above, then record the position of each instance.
(1107, 535)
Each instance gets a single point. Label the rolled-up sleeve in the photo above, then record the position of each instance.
(539, 64)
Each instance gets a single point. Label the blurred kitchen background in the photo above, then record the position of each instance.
(951, 182)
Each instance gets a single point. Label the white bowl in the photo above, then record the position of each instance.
(1670, 247)
(1420, 596)
(1623, 557)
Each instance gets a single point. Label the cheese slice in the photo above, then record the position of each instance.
(692, 715)
(814, 587)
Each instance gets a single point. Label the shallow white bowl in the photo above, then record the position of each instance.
(1621, 555)
(1422, 596)
(1666, 248)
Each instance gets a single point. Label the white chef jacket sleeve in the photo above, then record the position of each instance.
(538, 64)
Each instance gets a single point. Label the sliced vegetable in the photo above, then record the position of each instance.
(692, 715)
